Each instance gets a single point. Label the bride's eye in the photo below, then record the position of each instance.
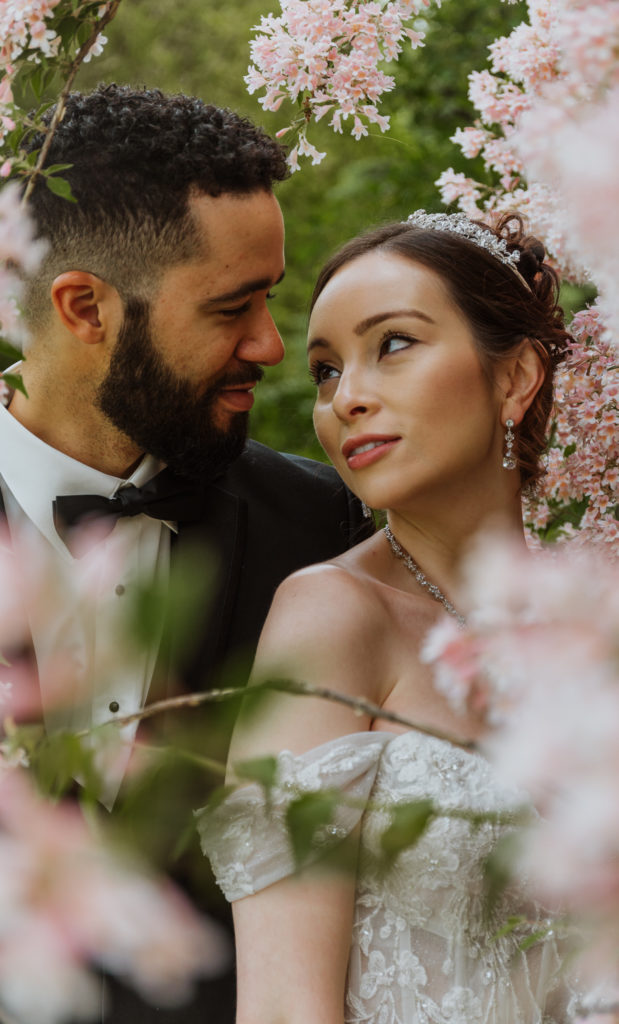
(322, 372)
(395, 343)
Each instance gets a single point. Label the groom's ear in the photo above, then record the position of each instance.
(519, 379)
(86, 305)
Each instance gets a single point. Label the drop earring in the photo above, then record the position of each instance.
(367, 511)
(509, 462)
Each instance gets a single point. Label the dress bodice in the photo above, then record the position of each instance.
(424, 948)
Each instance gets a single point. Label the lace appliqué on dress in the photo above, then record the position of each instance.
(422, 948)
(246, 839)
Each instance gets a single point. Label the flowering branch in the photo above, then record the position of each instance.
(324, 56)
(109, 12)
(547, 128)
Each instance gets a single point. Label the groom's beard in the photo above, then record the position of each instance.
(143, 397)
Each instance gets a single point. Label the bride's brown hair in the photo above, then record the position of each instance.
(502, 309)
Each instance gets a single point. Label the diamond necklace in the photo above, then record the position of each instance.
(421, 577)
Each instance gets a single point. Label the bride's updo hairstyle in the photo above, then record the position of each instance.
(501, 306)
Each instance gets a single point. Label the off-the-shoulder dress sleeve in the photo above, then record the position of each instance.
(246, 838)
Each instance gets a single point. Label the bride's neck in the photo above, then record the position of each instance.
(440, 543)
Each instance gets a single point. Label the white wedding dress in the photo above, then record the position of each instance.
(422, 950)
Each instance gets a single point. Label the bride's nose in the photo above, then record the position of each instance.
(354, 395)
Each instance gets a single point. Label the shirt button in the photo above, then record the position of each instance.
(114, 705)
(119, 589)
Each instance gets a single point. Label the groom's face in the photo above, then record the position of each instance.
(181, 376)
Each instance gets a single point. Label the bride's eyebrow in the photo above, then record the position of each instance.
(378, 318)
(317, 343)
(372, 321)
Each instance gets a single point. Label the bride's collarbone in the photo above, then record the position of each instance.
(410, 692)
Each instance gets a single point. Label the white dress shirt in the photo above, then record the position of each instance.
(78, 618)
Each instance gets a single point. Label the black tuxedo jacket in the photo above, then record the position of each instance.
(265, 517)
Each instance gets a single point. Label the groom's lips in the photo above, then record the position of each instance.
(365, 449)
(240, 398)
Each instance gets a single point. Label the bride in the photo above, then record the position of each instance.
(432, 344)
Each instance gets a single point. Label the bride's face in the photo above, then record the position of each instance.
(404, 407)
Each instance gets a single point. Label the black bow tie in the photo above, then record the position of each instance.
(165, 496)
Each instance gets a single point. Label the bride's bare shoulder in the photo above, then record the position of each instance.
(323, 615)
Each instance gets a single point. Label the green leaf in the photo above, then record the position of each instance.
(9, 351)
(408, 823)
(532, 940)
(60, 187)
(84, 32)
(180, 605)
(305, 816)
(258, 769)
(13, 139)
(35, 81)
(56, 168)
(498, 868)
(59, 759)
(14, 380)
(216, 798)
(569, 450)
(510, 925)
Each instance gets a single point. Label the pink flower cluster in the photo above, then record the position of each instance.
(28, 34)
(582, 461)
(326, 55)
(522, 66)
(69, 902)
(548, 127)
(23, 27)
(540, 659)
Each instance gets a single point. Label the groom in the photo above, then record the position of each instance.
(150, 325)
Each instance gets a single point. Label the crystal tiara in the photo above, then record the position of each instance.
(459, 224)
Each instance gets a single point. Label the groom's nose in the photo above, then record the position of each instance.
(262, 343)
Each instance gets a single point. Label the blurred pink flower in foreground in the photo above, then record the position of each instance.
(19, 251)
(68, 902)
(326, 54)
(540, 658)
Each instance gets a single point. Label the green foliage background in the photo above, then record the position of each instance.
(202, 48)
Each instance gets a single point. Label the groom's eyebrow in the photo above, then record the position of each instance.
(257, 284)
(378, 318)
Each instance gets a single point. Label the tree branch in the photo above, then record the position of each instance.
(109, 13)
(358, 704)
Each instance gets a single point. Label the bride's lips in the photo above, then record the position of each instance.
(239, 398)
(361, 451)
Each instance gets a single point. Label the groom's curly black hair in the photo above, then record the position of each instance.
(136, 156)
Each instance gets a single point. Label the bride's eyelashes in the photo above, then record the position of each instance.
(400, 341)
(320, 372)
(390, 343)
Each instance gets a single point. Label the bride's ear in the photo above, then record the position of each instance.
(519, 379)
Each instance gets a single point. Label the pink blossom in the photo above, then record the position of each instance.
(69, 901)
(327, 54)
(540, 647)
(23, 28)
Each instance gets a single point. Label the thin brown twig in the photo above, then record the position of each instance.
(100, 24)
(358, 704)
